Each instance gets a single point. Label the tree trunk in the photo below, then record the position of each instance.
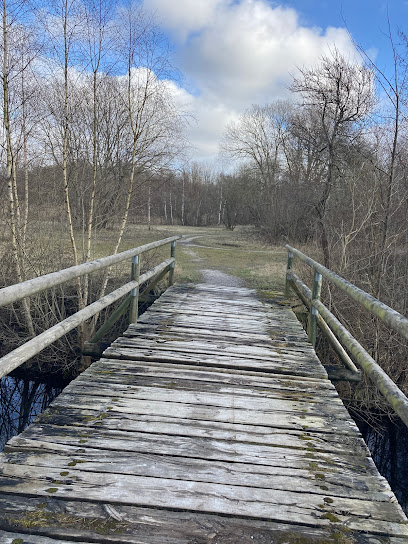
(11, 178)
(149, 204)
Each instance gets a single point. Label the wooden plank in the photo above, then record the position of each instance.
(276, 505)
(201, 470)
(117, 379)
(41, 436)
(255, 434)
(282, 419)
(165, 323)
(357, 475)
(265, 403)
(131, 372)
(267, 380)
(133, 525)
(225, 337)
(229, 325)
(250, 352)
(277, 367)
(278, 325)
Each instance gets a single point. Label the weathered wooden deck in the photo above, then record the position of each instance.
(210, 421)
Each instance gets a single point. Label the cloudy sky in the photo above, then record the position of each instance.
(234, 53)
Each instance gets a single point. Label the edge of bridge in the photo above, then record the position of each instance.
(209, 421)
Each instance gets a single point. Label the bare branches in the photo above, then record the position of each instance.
(342, 94)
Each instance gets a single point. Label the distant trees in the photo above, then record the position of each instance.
(256, 139)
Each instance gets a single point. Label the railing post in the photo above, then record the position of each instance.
(134, 294)
(312, 328)
(172, 254)
(288, 269)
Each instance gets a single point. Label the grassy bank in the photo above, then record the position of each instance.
(238, 253)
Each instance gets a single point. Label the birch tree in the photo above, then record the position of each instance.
(18, 52)
(152, 136)
(98, 39)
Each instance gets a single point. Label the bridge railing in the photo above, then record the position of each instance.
(19, 291)
(340, 338)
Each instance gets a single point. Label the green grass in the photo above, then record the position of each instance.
(238, 253)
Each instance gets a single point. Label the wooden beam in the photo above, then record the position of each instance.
(21, 354)
(113, 318)
(17, 292)
(340, 374)
(305, 295)
(95, 349)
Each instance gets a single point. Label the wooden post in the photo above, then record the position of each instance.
(288, 269)
(134, 294)
(317, 287)
(172, 254)
(106, 327)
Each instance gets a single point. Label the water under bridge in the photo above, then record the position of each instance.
(210, 420)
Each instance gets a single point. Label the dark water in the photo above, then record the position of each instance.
(388, 444)
(21, 400)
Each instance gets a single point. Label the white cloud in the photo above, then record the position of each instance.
(206, 132)
(236, 53)
(186, 16)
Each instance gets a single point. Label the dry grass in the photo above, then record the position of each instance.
(237, 252)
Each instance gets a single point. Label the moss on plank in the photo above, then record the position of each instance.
(41, 518)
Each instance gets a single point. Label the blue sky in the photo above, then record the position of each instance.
(234, 53)
(367, 20)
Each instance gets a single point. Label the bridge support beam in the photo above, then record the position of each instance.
(134, 294)
(312, 328)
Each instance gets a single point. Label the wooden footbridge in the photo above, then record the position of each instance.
(210, 421)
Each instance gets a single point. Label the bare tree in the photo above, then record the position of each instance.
(394, 87)
(18, 53)
(257, 137)
(97, 15)
(152, 136)
(342, 93)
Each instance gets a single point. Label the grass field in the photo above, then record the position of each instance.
(237, 253)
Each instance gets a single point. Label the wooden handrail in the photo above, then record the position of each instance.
(19, 291)
(305, 295)
(387, 315)
(395, 397)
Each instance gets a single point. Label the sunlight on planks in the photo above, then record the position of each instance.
(211, 420)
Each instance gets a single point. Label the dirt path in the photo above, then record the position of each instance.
(215, 277)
